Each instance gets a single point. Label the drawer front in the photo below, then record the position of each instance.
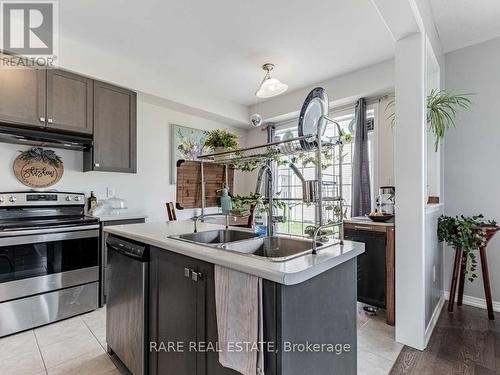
(25, 313)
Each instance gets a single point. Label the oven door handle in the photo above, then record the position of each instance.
(25, 232)
(42, 237)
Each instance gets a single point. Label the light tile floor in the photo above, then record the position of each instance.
(377, 349)
(78, 346)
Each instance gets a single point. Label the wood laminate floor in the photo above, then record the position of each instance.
(464, 342)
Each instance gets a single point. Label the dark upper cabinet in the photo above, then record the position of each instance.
(115, 130)
(46, 98)
(69, 101)
(22, 96)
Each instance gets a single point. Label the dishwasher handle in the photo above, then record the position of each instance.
(132, 250)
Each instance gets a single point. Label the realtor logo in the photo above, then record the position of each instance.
(29, 28)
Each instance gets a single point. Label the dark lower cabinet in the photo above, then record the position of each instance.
(321, 310)
(371, 267)
(376, 266)
(183, 317)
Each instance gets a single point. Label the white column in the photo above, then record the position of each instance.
(410, 189)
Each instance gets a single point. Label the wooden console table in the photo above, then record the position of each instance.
(458, 275)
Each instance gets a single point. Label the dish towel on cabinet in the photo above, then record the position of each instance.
(238, 300)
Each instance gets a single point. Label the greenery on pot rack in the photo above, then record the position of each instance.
(337, 213)
(337, 216)
(250, 165)
(441, 112)
(467, 233)
(41, 155)
(242, 204)
(220, 138)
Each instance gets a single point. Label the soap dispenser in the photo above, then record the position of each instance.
(225, 201)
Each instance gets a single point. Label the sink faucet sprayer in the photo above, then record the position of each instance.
(202, 216)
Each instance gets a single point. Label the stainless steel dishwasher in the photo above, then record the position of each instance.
(127, 303)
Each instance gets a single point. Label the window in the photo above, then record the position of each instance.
(296, 216)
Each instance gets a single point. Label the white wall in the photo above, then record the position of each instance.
(472, 178)
(84, 58)
(149, 189)
(433, 270)
(345, 89)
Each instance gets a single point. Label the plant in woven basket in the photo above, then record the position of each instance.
(221, 139)
(41, 155)
(466, 233)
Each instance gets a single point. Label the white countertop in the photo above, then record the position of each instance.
(368, 221)
(293, 271)
(122, 215)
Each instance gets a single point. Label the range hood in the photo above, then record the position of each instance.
(43, 138)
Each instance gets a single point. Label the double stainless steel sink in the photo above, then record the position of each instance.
(218, 237)
(274, 248)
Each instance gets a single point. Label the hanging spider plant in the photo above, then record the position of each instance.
(441, 112)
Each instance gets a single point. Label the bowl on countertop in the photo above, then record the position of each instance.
(381, 218)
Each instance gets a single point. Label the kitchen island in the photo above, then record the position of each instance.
(309, 303)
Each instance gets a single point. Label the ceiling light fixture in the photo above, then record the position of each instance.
(270, 86)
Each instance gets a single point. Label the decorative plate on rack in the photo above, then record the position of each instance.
(311, 116)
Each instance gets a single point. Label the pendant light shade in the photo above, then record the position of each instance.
(270, 86)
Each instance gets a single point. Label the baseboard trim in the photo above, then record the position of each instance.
(475, 302)
(434, 320)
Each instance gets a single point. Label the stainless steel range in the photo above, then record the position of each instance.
(49, 259)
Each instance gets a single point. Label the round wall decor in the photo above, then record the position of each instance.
(38, 168)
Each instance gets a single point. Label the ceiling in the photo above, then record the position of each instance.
(218, 46)
(461, 23)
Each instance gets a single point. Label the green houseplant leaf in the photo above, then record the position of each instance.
(467, 233)
(39, 154)
(441, 112)
(220, 138)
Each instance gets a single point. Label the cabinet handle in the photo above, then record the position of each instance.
(361, 227)
(187, 272)
(42, 119)
(50, 121)
(196, 276)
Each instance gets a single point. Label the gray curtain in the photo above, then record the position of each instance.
(361, 196)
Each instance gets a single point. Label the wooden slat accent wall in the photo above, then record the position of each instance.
(189, 183)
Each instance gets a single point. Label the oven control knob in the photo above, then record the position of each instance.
(78, 198)
(68, 198)
(2, 199)
(12, 199)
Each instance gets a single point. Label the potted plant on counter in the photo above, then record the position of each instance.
(220, 140)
